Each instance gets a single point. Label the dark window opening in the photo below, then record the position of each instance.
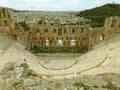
(73, 30)
(59, 31)
(55, 30)
(65, 30)
(5, 22)
(46, 31)
(82, 30)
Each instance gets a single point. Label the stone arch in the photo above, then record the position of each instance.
(73, 30)
(46, 31)
(64, 43)
(65, 30)
(68, 43)
(60, 43)
(59, 31)
(5, 22)
(31, 45)
(38, 42)
(77, 43)
(54, 43)
(42, 42)
(51, 43)
(103, 36)
(54, 30)
(46, 43)
(72, 43)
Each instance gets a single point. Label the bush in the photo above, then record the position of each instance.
(80, 84)
(24, 25)
(110, 86)
(37, 49)
(49, 88)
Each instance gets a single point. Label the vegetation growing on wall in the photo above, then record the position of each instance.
(24, 25)
(37, 49)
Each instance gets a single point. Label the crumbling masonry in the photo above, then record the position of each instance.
(44, 34)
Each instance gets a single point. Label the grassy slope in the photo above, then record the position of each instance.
(98, 14)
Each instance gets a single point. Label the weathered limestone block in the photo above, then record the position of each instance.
(29, 82)
(21, 69)
(112, 26)
(7, 22)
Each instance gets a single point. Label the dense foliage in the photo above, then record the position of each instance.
(37, 49)
(24, 25)
(98, 14)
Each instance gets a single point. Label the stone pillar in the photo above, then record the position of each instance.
(3, 13)
(0, 14)
(8, 14)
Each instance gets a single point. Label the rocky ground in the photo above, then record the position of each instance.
(18, 76)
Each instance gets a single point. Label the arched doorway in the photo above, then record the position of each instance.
(59, 31)
(59, 43)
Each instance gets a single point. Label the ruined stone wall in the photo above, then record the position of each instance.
(82, 35)
(96, 35)
(46, 35)
(43, 34)
(21, 35)
(111, 27)
(7, 23)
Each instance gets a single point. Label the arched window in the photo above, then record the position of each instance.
(59, 31)
(64, 43)
(72, 43)
(82, 29)
(54, 30)
(46, 31)
(66, 38)
(54, 43)
(59, 43)
(5, 22)
(73, 30)
(47, 43)
(42, 42)
(65, 30)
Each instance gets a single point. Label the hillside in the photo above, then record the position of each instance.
(98, 14)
